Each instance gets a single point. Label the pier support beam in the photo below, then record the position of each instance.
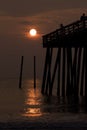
(70, 64)
(63, 71)
(82, 69)
(57, 62)
(21, 71)
(48, 82)
(34, 72)
(59, 71)
(85, 60)
(47, 71)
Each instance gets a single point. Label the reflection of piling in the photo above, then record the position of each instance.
(34, 72)
(21, 70)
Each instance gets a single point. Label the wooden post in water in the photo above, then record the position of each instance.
(54, 71)
(45, 72)
(78, 69)
(74, 70)
(63, 72)
(48, 83)
(69, 86)
(59, 71)
(85, 58)
(82, 73)
(21, 70)
(34, 72)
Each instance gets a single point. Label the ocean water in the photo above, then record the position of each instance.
(29, 106)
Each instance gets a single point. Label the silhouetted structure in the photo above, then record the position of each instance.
(70, 64)
(21, 70)
(34, 72)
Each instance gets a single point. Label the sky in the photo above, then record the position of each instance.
(17, 17)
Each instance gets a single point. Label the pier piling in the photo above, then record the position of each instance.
(34, 72)
(21, 71)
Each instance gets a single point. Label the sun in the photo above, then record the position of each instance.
(33, 32)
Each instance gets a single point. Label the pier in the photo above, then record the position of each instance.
(70, 65)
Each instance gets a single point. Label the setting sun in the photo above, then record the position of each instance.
(33, 32)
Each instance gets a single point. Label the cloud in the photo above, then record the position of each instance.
(54, 17)
(3, 13)
(46, 22)
(24, 8)
(25, 23)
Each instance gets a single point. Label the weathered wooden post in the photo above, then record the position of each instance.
(34, 72)
(82, 73)
(63, 71)
(45, 72)
(59, 71)
(48, 83)
(69, 82)
(85, 64)
(21, 70)
(79, 71)
(74, 70)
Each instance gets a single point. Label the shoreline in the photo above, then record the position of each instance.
(24, 125)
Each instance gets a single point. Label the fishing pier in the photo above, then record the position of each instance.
(70, 65)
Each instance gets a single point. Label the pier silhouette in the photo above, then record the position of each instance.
(70, 66)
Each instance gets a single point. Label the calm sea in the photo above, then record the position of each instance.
(30, 105)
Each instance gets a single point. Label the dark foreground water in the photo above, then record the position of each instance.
(26, 108)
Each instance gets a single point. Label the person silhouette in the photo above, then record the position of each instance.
(83, 18)
(62, 29)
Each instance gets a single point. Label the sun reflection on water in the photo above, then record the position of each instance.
(32, 100)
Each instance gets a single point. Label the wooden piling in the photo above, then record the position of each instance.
(74, 70)
(68, 74)
(48, 73)
(82, 73)
(71, 72)
(85, 55)
(45, 72)
(59, 71)
(34, 72)
(48, 83)
(54, 71)
(69, 86)
(63, 71)
(79, 68)
(21, 71)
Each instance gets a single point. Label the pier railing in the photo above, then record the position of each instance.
(65, 31)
